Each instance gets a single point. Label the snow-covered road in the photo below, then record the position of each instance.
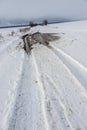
(47, 89)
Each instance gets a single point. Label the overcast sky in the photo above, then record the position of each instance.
(28, 9)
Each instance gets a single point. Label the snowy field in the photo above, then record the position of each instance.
(47, 89)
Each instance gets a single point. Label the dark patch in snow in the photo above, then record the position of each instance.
(38, 37)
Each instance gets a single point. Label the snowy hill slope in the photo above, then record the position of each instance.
(47, 89)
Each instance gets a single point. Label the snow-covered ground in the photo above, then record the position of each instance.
(47, 89)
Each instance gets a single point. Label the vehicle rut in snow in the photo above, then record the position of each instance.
(77, 69)
(40, 102)
(28, 110)
(57, 87)
(54, 109)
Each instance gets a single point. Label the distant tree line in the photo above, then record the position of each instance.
(32, 24)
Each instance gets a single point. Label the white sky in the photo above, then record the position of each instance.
(28, 9)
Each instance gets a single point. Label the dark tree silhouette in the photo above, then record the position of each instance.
(31, 24)
(45, 22)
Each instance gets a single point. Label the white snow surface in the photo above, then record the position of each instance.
(47, 89)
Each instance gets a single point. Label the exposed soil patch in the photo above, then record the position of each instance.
(24, 29)
(38, 37)
(20, 45)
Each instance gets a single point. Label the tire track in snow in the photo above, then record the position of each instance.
(42, 91)
(17, 105)
(65, 108)
(53, 124)
(12, 84)
(56, 107)
(79, 84)
(82, 90)
(76, 68)
(27, 114)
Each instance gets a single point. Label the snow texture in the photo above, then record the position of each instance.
(47, 89)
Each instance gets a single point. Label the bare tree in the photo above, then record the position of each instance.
(31, 24)
(45, 22)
